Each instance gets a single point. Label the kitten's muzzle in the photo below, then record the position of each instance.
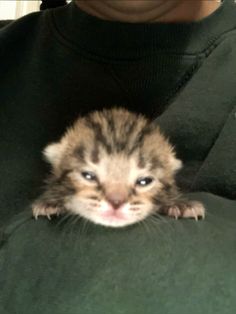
(116, 199)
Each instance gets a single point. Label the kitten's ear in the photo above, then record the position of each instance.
(53, 153)
(175, 163)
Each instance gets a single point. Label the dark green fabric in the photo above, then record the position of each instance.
(61, 63)
(165, 266)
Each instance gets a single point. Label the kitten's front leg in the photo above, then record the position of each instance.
(40, 208)
(46, 205)
(52, 201)
(184, 209)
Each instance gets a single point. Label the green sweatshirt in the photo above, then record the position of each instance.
(60, 63)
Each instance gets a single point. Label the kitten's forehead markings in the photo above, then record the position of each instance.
(98, 134)
(106, 139)
(116, 131)
(110, 121)
(95, 154)
(155, 163)
(79, 152)
(138, 141)
(141, 161)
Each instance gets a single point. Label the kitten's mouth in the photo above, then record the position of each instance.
(114, 215)
(113, 220)
(107, 211)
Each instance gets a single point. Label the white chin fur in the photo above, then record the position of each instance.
(111, 222)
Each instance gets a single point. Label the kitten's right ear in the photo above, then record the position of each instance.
(53, 153)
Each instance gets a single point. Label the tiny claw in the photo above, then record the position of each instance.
(45, 211)
(192, 209)
(48, 216)
(195, 215)
(174, 212)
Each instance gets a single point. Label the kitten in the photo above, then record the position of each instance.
(114, 168)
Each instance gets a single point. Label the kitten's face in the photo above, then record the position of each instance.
(114, 192)
(117, 169)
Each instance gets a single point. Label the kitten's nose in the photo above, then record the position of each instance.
(116, 199)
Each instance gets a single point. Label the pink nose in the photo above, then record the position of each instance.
(116, 200)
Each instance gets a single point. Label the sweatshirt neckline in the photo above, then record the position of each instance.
(124, 41)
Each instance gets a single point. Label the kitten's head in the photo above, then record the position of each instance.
(118, 165)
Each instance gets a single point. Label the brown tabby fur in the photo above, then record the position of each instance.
(119, 147)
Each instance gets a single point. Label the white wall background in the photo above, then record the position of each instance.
(10, 9)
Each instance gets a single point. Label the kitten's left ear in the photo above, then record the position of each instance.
(175, 163)
(53, 153)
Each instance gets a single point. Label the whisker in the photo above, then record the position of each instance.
(69, 222)
(84, 226)
(159, 217)
(141, 222)
(76, 219)
(157, 220)
(64, 218)
(74, 224)
(153, 222)
(157, 225)
(148, 227)
(65, 223)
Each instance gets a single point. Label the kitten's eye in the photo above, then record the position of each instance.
(144, 181)
(90, 176)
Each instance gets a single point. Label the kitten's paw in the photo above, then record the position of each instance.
(186, 209)
(41, 210)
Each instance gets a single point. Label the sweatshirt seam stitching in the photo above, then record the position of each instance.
(212, 147)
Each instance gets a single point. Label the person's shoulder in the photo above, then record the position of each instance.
(28, 27)
(4, 23)
(21, 25)
(24, 34)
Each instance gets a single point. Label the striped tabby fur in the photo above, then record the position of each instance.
(114, 168)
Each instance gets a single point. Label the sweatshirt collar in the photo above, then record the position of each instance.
(124, 41)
